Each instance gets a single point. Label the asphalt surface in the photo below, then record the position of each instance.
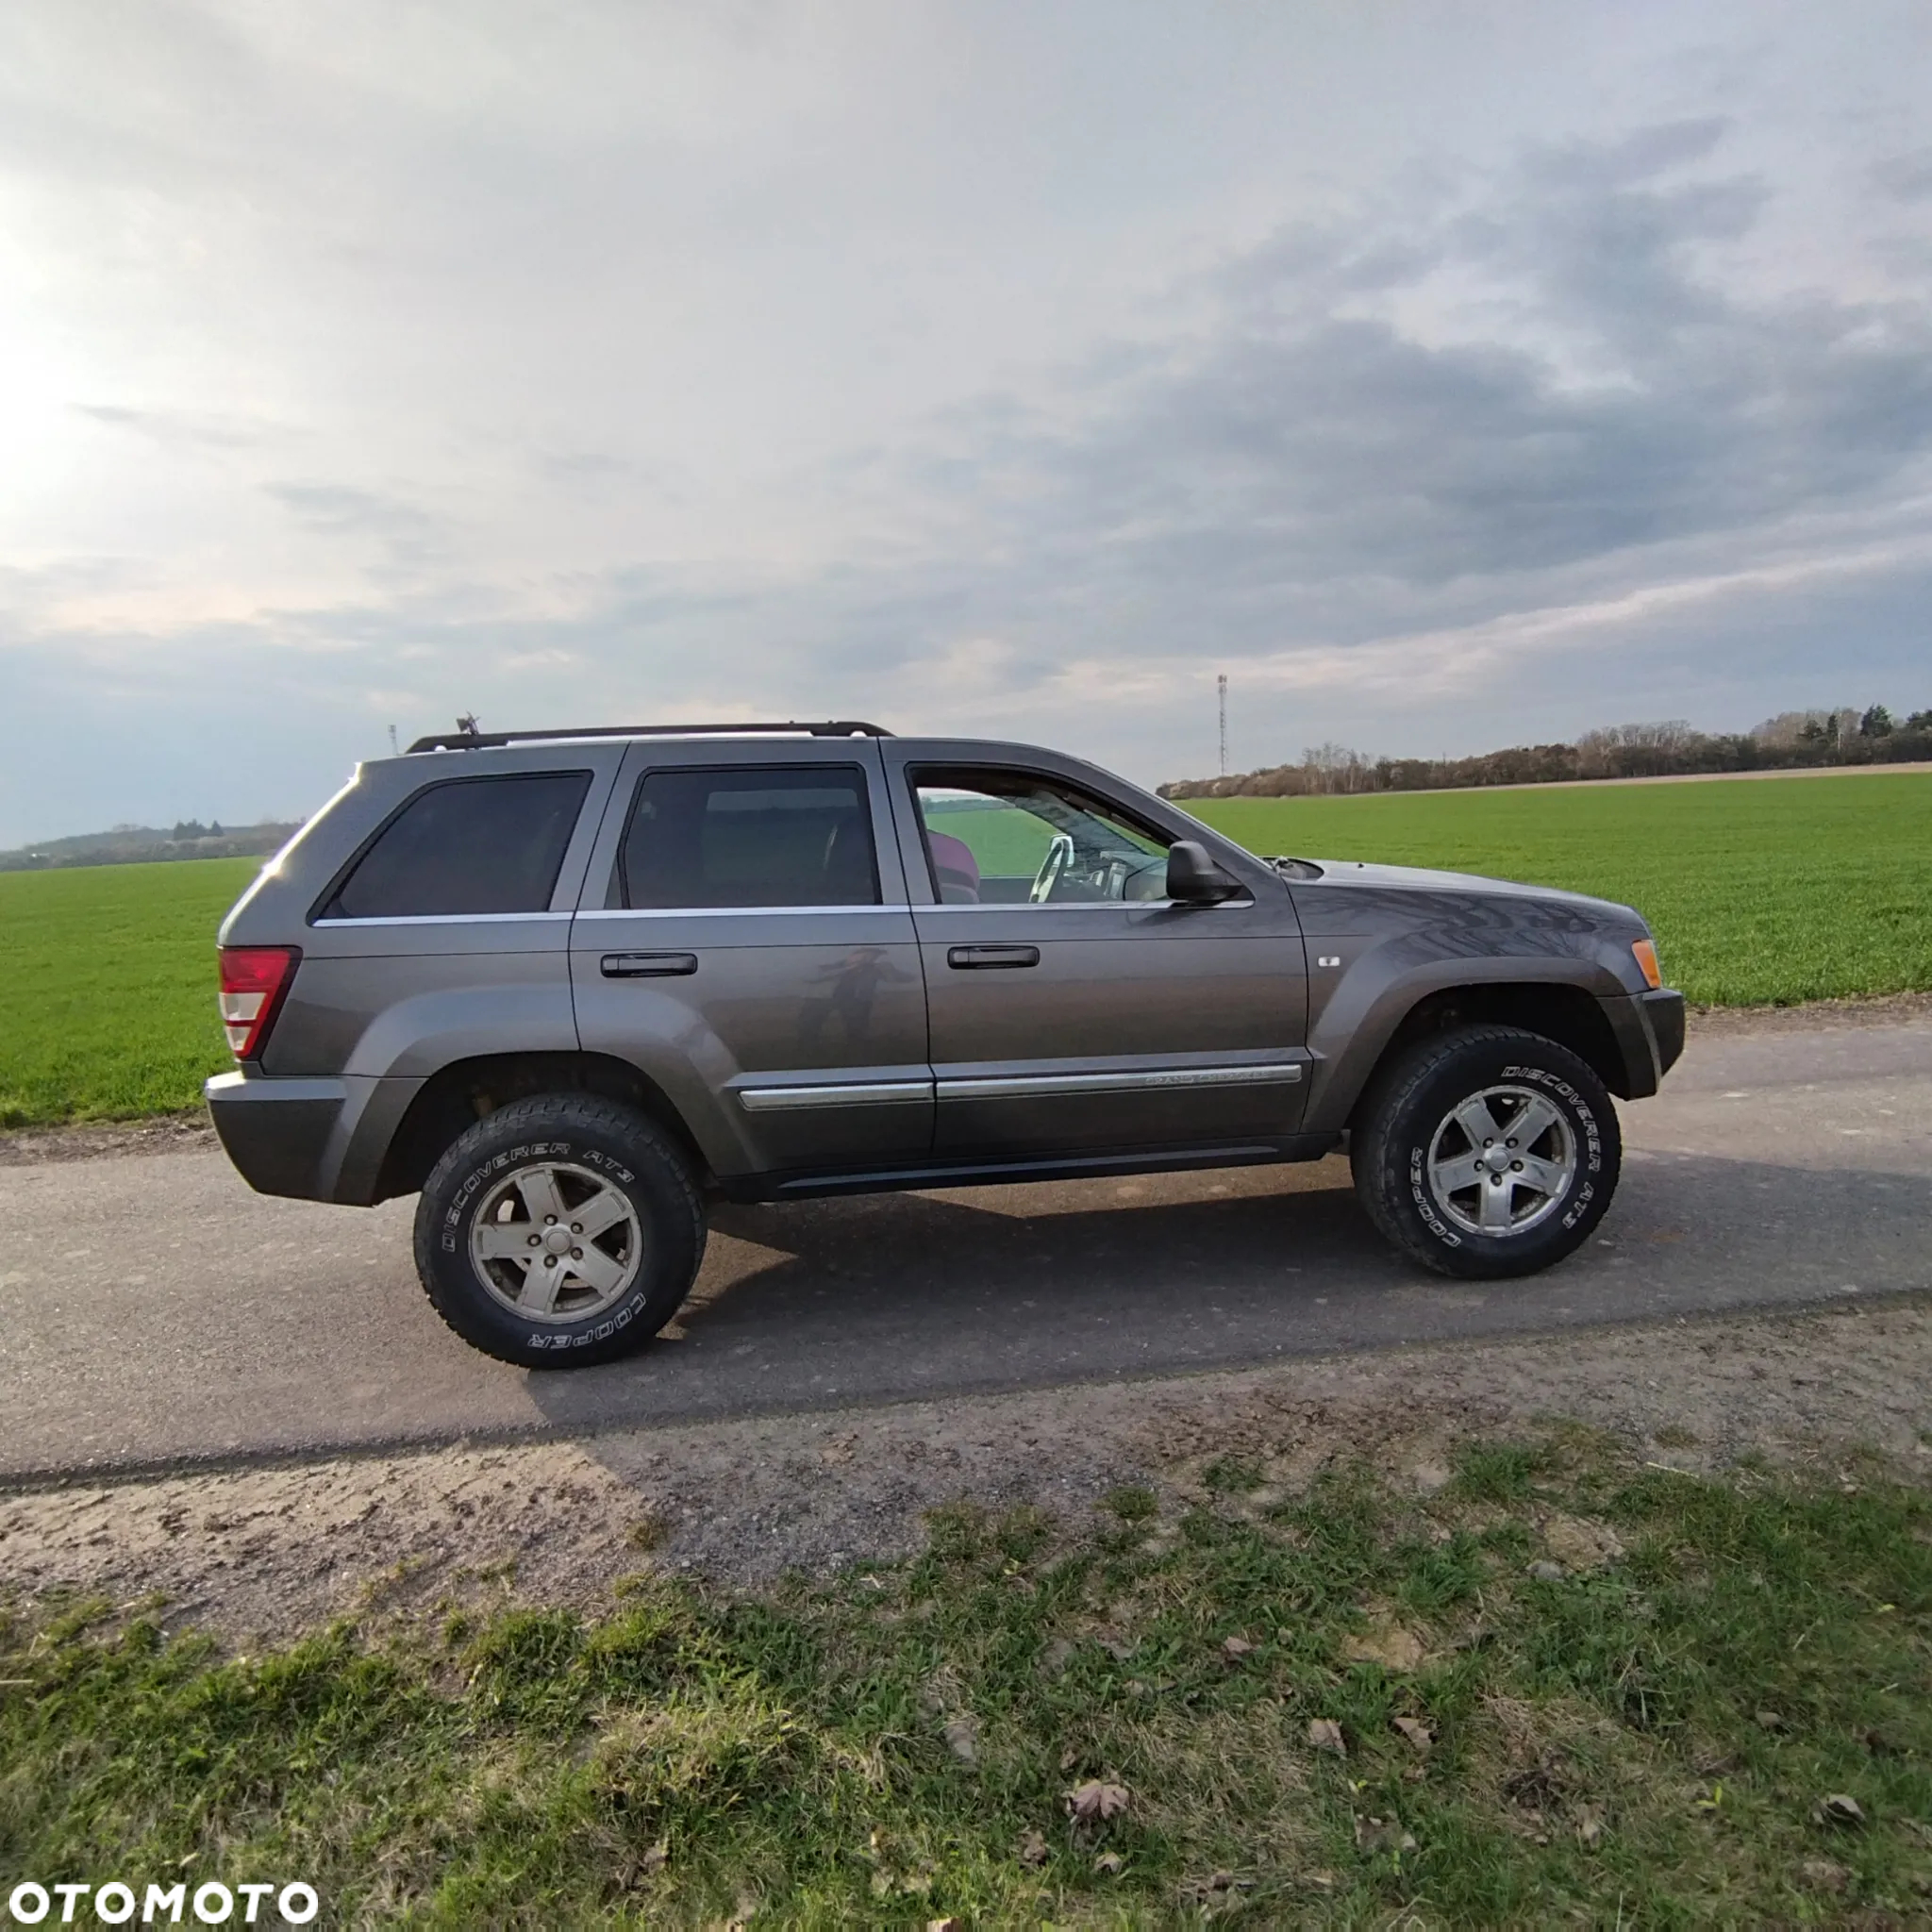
(153, 1310)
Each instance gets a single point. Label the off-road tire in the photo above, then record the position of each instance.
(1390, 1146)
(628, 1154)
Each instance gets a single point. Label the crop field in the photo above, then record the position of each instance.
(1761, 892)
(107, 987)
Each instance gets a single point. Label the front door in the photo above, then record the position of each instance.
(754, 955)
(1072, 1007)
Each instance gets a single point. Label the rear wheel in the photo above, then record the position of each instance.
(559, 1232)
(1487, 1152)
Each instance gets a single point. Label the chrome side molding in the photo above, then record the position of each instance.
(849, 1093)
(1023, 1086)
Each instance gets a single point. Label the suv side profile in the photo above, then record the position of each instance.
(566, 987)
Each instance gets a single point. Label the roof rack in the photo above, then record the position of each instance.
(482, 740)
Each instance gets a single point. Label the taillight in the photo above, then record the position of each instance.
(253, 980)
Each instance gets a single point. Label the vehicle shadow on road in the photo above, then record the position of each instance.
(889, 1297)
(901, 1291)
(1071, 1251)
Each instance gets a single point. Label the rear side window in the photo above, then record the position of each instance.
(471, 846)
(749, 835)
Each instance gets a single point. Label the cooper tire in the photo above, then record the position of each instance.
(1476, 1204)
(476, 1221)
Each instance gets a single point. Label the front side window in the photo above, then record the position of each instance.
(749, 835)
(470, 845)
(1014, 838)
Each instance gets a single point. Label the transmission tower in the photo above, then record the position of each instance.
(1221, 684)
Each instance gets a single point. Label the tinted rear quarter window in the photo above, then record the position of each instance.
(468, 845)
(747, 836)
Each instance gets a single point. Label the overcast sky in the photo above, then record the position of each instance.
(1450, 375)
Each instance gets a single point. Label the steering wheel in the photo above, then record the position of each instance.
(1053, 868)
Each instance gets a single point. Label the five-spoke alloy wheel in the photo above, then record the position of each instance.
(555, 1241)
(1501, 1161)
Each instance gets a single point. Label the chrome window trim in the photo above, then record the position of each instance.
(1153, 1079)
(445, 918)
(1244, 898)
(848, 1093)
(733, 911)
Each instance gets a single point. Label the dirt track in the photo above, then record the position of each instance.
(264, 1552)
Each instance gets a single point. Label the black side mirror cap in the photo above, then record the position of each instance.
(1194, 879)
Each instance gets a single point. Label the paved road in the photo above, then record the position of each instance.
(153, 1309)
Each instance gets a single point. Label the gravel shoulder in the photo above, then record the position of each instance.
(1815, 1016)
(167, 1133)
(261, 1553)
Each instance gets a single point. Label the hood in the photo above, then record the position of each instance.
(1416, 878)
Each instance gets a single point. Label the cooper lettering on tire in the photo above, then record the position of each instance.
(561, 1226)
(1487, 1152)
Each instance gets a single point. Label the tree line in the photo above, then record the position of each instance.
(146, 844)
(1793, 741)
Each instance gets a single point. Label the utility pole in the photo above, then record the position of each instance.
(394, 749)
(1221, 684)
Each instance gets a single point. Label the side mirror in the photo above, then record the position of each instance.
(1194, 879)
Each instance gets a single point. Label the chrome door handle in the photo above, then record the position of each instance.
(646, 965)
(968, 958)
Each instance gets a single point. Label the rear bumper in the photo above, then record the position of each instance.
(1649, 1031)
(315, 1140)
(278, 1133)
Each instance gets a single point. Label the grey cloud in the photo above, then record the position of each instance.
(181, 429)
(1300, 469)
(1295, 466)
(1295, 462)
(1904, 177)
(411, 538)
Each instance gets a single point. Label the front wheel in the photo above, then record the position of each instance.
(559, 1232)
(1487, 1152)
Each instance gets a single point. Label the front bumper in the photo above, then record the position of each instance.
(1649, 1032)
(1664, 1011)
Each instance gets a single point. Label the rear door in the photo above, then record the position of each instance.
(746, 943)
(1072, 1007)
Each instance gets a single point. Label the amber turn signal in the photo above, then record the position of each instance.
(1646, 962)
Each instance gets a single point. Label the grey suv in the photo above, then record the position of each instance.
(566, 986)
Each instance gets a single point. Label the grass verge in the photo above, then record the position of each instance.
(1562, 1686)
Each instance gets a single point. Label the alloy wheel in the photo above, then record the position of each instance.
(1500, 1161)
(555, 1242)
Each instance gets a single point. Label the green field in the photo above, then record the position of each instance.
(107, 987)
(1761, 892)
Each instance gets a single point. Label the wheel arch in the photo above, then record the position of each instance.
(1568, 1014)
(455, 1097)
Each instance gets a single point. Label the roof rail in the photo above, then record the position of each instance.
(482, 740)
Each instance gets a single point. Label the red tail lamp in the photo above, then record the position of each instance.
(254, 981)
